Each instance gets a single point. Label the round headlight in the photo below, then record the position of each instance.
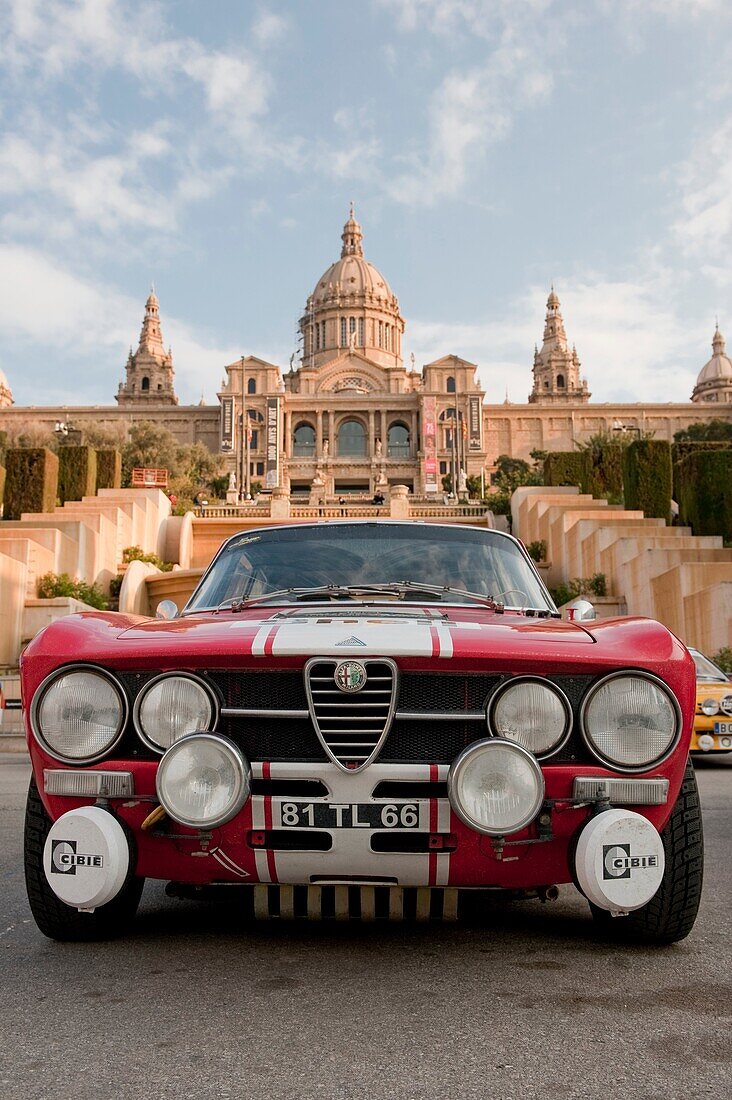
(169, 707)
(710, 706)
(726, 704)
(532, 713)
(203, 781)
(630, 721)
(78, 714)
(495, 787)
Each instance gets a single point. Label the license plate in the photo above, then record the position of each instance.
(345, 815)
(723, 728)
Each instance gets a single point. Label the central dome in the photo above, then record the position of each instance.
(352, 309)
(352, 274)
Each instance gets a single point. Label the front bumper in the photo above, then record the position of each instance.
(441, 852)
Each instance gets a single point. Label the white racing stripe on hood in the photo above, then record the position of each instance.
(351, 637)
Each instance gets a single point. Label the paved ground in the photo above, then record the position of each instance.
(193, 1005)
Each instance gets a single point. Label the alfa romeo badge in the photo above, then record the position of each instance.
(350, 675)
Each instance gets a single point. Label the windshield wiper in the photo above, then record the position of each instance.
(397, 589)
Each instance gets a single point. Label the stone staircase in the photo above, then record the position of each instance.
(663, 572)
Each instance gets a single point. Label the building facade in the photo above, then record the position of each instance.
(351, 417)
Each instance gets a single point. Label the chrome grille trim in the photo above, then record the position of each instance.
(253, 712)
(360, 720)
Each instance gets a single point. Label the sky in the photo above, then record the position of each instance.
(491, 147)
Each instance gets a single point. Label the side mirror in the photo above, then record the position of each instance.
(580, 610)
(167, 609)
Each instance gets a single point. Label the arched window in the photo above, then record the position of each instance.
(381, 334)
(450, 385)
(145, 384)
(303, 441)
(344, 334)
(398, 440)
(352, 439)
(252, 385)
(360, 332)
(560, 381)
(317, 337)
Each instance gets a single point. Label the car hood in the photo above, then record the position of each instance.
(258, 636)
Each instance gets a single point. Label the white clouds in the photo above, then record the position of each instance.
(474, 107)
(704, 229)
(269, 27)
(107, 192)
(633, 343)
(44, 304)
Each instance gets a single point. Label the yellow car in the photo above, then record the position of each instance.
(713, 716)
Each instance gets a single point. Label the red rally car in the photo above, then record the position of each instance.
(370, 719)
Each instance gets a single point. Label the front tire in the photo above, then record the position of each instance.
(54, 918)
(670, 914)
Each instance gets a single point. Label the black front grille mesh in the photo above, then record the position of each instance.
(428, 741)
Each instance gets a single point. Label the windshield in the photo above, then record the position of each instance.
(705, 669)
(354, 554)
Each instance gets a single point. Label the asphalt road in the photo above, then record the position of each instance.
(193, 1004)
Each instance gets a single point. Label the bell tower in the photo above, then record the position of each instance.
(556, 368)
(150, 374)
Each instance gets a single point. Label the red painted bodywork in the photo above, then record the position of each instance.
(507, 643)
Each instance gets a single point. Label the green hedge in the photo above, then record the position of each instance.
(647, 477)
(109, 469)
(567, 468)
(686, 447)
(77, 473)
(705, 492)
(605, 474)
(31, 483)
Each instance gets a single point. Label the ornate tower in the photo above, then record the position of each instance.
(150, 371)
(715, 378)
(556, 368)
(352, 306)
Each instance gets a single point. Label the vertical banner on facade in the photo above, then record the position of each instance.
(227, 423)
(474, 423)
(272, 478)
(429, 436)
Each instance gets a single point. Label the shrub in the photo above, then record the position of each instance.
(136, 553)
(705, 498)
(567, 468)
(604, 467)
(723, 659)
(647, 477)
(115, 586)
(183, 505)
(32, 481)
(77, 473)
(53, 585)
(2, 487)
(109, 469)
(537, 550)
(680, 450)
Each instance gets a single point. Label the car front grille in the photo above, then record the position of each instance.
(351, 726)
(267, 713)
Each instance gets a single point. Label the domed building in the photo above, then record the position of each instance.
(351, 418)
(714, 383)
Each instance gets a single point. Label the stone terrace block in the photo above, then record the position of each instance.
(38, 559)
(708, 617)
(671, 589)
